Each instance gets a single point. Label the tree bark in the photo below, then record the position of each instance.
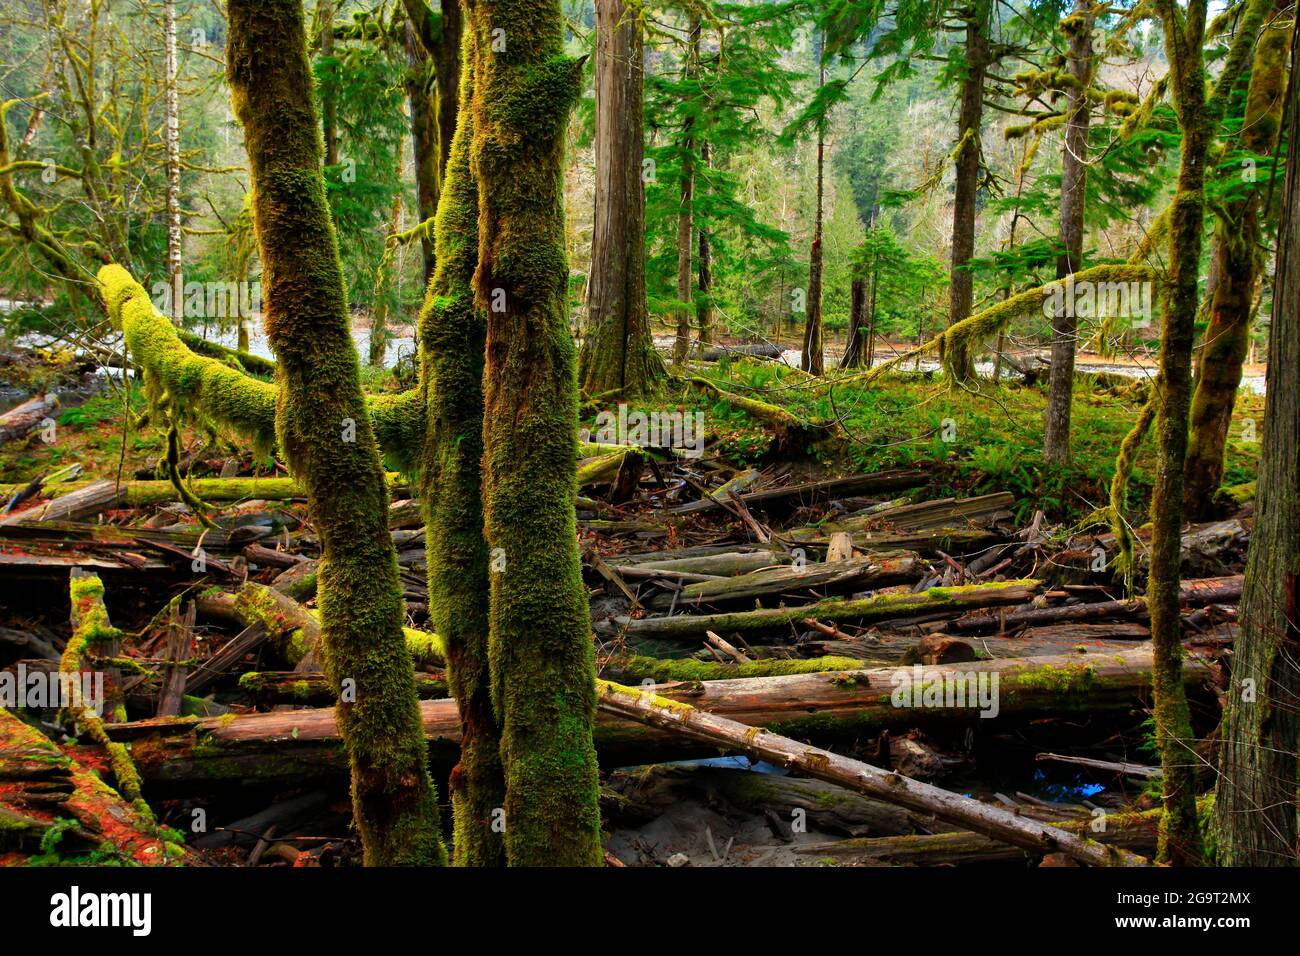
(962, 287)
(618, 353)
(327, 436)
(1239, 261)
(686, 207)
(1256, 799)
(540, 629)
(1184, 31)
(175, 237)
(852, 357)
(1074, 181)
(453, 333)
(812, 358)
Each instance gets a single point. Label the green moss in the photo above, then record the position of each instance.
(666, 671)
(326, 434)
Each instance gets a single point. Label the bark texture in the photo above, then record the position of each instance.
(453, 333)
(540, 629)
(1256, 801)
(324, 431)
(618, 353)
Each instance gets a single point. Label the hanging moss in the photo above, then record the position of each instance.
(326, 434)
(453, 331)
(543, 675)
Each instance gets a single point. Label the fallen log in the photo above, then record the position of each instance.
(1133, 832)
(41, 786)
(1191, 592)
(1119, 768)
(881, 607)
(21, 419)
(815, 492)
(845, 706)
(854, 574)
(791, 435)
(854, 775)
(922, 516)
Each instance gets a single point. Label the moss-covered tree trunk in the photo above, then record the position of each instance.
(1238, 260)
(1180, 838)
(324, 430)
(453, 332)
(704, 305)
(542, 660)
(1074, 181)
(618, 353)
(1258, 793)
(966, 186)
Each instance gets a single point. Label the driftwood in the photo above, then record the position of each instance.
(814, 492)
(855, 775)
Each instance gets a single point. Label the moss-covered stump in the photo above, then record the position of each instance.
(326, 434)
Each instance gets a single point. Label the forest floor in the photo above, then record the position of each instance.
(954, 492)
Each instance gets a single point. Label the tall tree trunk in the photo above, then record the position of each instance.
(326, 434)
(618, 352)
(813, 358)
(433, 57)
(1237, 242)
(1180, 838)
(967, 168)
(685, 208)
(453, 334)
(1259, 782)
(540, 637)
(175, 236)
(329, 105)
(384, 274)
(421, 99)
(704, 307)
(1074, 180)
(853, 349)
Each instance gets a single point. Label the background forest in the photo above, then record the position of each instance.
(344, 305)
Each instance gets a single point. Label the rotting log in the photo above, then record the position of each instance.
(21, 419)
(881, 607)
(854, 574)
(41, 784)
(1133, 832)
(831, 707)
(863, 778)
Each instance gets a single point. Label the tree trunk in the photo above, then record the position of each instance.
(175, 237)
(453, 331)
(962, 289)
(1255, 805)
(540, 629)
(685, 208)
(1237, 242)
(852, 357)
(1074, 180)
(618, 353)
(812, 358)
(421, 96)
(1180, 838)
(327, 437)
(704, 307)
(385, 273)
